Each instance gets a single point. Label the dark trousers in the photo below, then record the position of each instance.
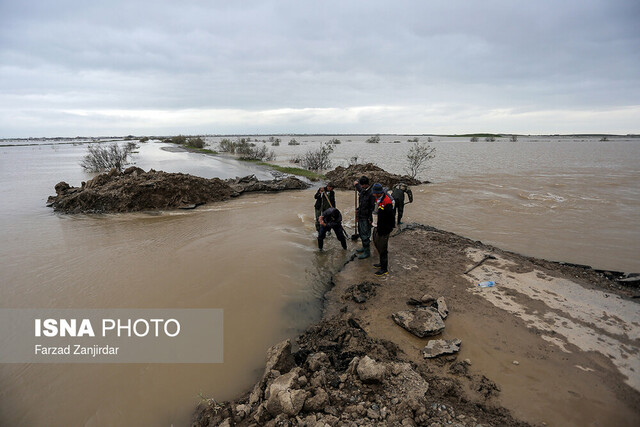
(364, 228)
(381, 242)
(318, 213)
(339, 234)
(400, 210)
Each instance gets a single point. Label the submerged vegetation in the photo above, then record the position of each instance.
(103, 158)
(417, 157)
(246, 150)
(318, 159)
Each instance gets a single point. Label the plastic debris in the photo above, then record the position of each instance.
(487, 284)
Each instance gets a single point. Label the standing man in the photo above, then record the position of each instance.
(366, 203)
(398, 195)
(331, 219)
(385, 224)
(325, 199)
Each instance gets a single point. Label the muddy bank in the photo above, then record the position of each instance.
(137, 190)
(343, 177)
(549, 344)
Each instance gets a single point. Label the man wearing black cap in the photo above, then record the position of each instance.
(385, 224)
(366, 203)
(331, 219)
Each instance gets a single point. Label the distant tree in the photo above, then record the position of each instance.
(293, 141)
(604, 138)
(374, 139)
(413, 139)
(101, 158)
(417, 158)
(318, 159)
(474, 139)
(490, 139)
(227, 146)
(513, 138)
(195, 142)
(179, 139)
(429, 139)
(251, 152)
(335, 141)
(276, 142)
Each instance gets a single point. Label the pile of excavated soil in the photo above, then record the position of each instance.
(342, 376)
(342, 177)
(137, 190)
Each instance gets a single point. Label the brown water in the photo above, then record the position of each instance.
(255, 258)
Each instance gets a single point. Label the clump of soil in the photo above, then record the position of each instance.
(342, 376)
(137, 190)
(342, 177)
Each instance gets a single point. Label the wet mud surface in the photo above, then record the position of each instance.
(549, 344)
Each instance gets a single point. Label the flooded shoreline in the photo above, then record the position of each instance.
(256, 258)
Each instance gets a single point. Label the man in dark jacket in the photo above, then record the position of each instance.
(398, 196)
(385, 224)
(366, 203)
(325, 199)
(331, 219)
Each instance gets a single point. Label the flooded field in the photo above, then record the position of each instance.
(255, 257)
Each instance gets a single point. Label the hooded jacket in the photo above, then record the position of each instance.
(386, 214)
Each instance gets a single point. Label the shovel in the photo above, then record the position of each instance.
(479, 263)
(356, 236)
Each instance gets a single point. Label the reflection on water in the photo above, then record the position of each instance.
(256, 257)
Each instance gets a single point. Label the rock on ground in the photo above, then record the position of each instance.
(421, 322)
(435, 348)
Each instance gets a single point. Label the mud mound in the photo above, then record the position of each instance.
(251, 183)
(137, 190)
(342, 376)
(343, 177)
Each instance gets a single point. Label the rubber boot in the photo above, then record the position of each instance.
(366, 253)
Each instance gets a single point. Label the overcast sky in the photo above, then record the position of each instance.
(165, 67)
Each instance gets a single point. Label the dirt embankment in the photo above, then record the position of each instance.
(549, 344)
(137, 190)
(342, 177)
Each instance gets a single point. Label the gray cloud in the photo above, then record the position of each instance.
(251, 56)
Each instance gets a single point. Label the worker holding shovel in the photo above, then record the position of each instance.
(331, 219)
(325, 199)
(364, 215)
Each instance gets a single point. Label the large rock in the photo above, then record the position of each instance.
(317, 361)
(435, 348)
(279, 358)
(410, 384)
(422, 322)
(370, 371)
(318, 402)
(284, 395)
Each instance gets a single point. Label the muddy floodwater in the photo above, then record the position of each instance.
(255, 257)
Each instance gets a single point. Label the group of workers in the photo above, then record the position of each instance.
(374, 201)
